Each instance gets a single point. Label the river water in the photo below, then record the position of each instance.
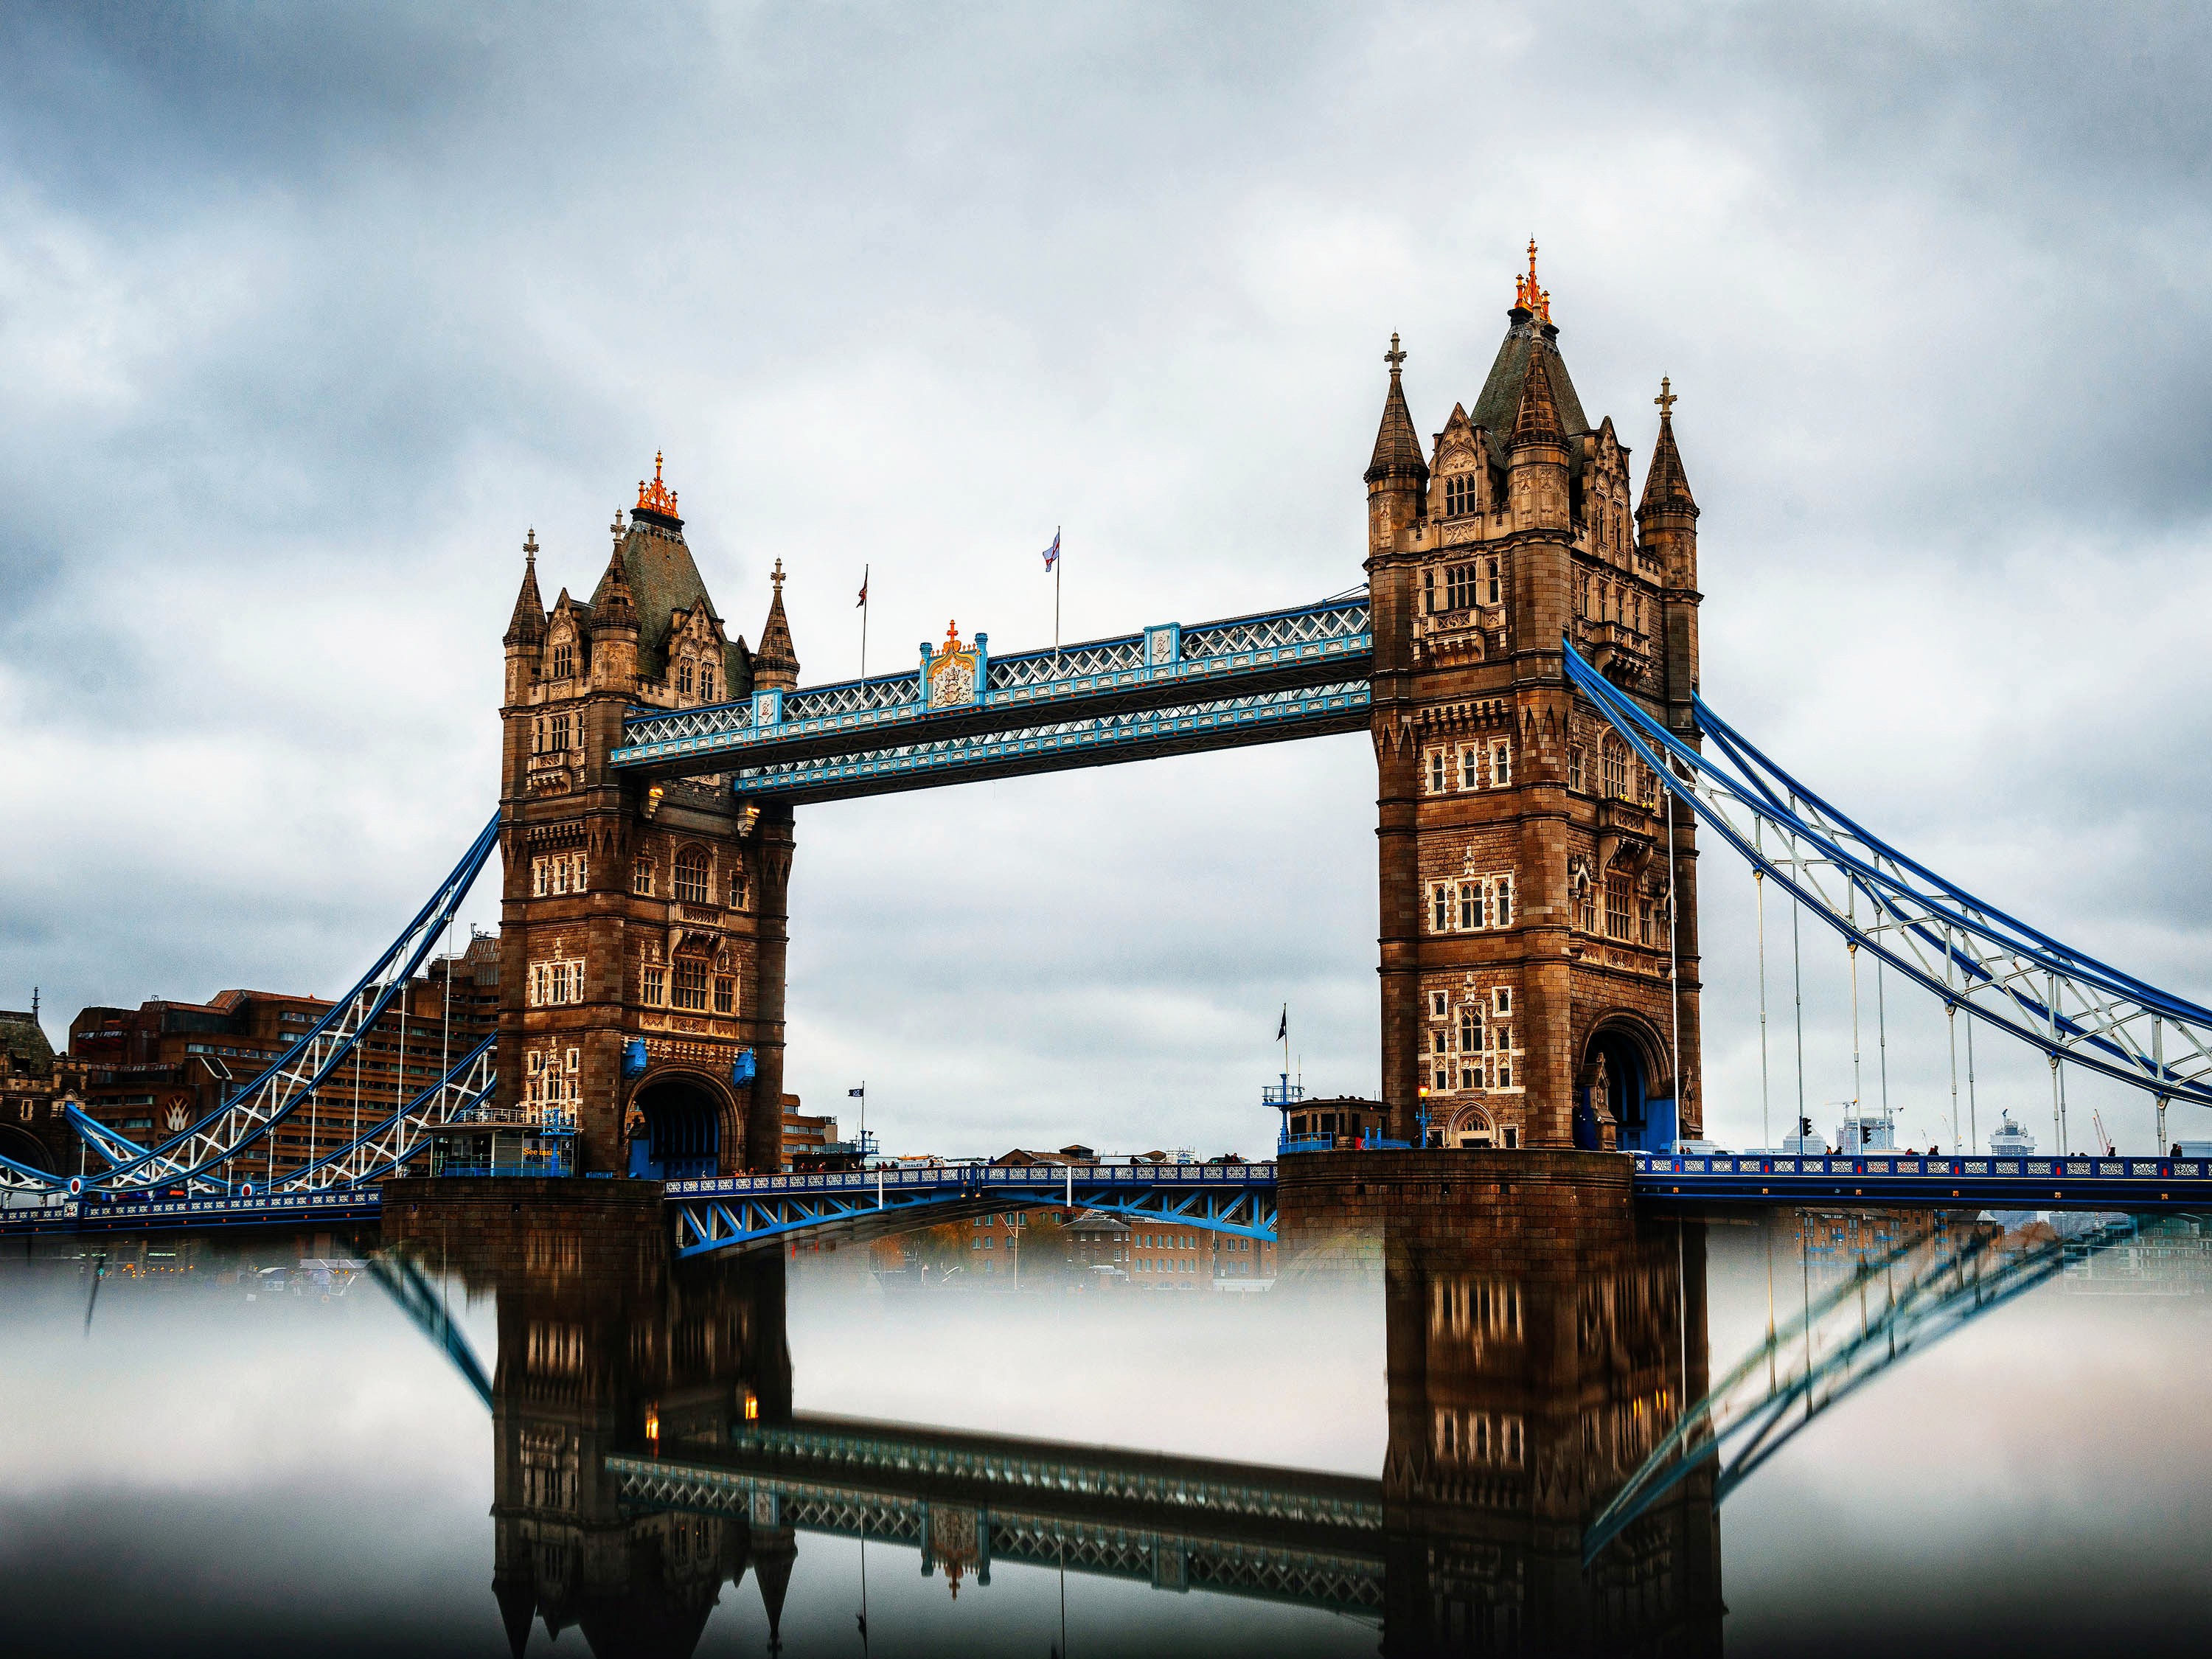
(1915, 1433)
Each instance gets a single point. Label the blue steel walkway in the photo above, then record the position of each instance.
(1978, 1179)
(747, 1211)
(744, 1211)
(965, 714)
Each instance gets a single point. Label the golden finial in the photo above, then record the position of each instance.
(1527, 295)
(1394, 357)
(530, 545)
(952, 638)
(776, 576)
(656, 497)
(1666, 399)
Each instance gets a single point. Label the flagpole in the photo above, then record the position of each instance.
(864, 622)
(1058, 555)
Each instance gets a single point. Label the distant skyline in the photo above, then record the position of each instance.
(307, 317)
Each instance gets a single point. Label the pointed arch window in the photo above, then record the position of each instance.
(684, 677)
(1460, 496)
(706, 681)
(564, 661)
(694, 879)
(1613, 762)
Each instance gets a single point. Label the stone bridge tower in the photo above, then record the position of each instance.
(643, 927)
(1525, 866)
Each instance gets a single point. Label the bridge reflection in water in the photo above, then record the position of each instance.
(649, 1456)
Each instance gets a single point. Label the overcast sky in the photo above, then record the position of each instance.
(307, 314)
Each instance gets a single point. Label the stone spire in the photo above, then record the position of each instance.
(1666, 487)
(1397, 445)
(528, 625)
(1537, 420)
(776, 664)
(614, 621)
(613, 605)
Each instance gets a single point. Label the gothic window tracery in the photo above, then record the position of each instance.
(1460, 496)
(694, 880)
(564, 659)
(689, 987)
(641, 876)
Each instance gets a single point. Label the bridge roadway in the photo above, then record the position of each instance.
(751, 1212)
(967, 1500)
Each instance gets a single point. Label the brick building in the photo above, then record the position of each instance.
(150, 1071)
(1524, 866)
(644, 926)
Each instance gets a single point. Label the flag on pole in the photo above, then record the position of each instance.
(857, 1093)
(1283, 1031)
(1052, 553)
(864, 587)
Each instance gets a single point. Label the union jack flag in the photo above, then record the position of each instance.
(1052, 553)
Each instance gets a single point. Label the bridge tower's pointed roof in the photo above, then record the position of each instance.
(1537, 419)
(777, 659)
(1397, 445)
(528, 624)
(1666, 486)
(1528, 330)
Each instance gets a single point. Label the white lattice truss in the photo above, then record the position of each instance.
(459, 1096)
(193, 1159)
(1975, 958)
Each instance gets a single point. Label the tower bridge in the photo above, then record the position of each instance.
(1523, 654)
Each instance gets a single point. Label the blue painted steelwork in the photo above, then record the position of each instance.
(462, 1094)
(115, 1148)
(1834, 1348)
(744, 1211)
(191, 1156)
(1200, 666)
(95, 1211)
(2086, 1183)
(1972, 955)
(422, 1302)
(1083, 740)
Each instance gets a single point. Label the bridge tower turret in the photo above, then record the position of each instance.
(1526, 999)
(641, 940)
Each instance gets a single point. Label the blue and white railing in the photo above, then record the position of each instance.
(1169, 662)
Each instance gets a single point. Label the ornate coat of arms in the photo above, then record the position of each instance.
(951, 672)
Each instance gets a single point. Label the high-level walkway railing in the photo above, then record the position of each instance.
(1290, 1535)
(1168, 688)
(746, 1212)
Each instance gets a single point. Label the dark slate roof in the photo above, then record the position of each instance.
(612, 604)
(1397, 445)
(662, 579)
(1500, 401)
(528, 622)
(777, 653)
(1666, 486)
(1537, 420)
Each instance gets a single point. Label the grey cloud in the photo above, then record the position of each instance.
(306, 316)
